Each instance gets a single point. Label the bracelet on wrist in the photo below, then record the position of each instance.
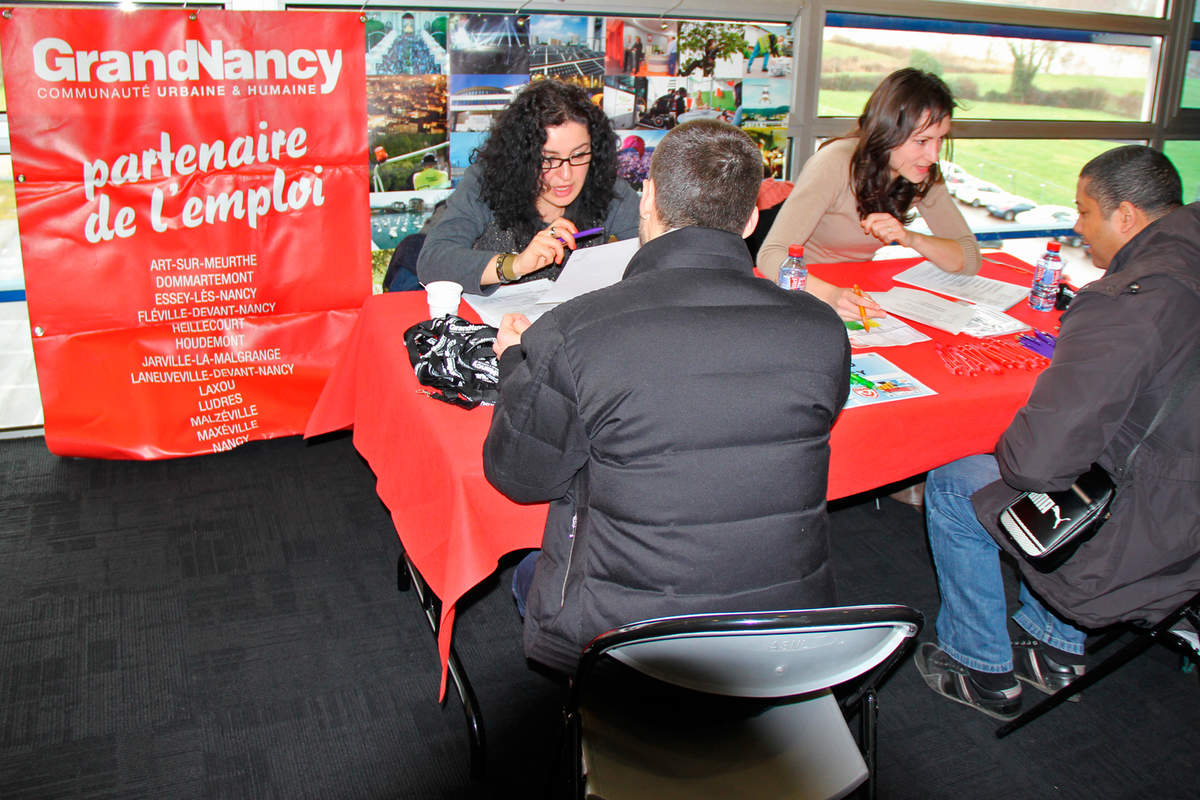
(506, 268)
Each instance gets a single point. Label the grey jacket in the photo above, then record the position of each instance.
(678, 423)
(1124, 341)
(449, 252)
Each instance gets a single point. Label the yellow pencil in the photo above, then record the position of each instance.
(862, 312)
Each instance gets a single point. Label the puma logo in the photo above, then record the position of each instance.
(1043, 503)
(1058, 518)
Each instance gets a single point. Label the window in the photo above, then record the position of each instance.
(1185, 155)
(1141, 8)
(1040, 170)
(996, 71)
(1191, 78)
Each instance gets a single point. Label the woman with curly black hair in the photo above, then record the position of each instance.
(857, 193)
(546, 172)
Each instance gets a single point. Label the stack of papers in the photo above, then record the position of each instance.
(990, 322)
(926, 308)
(972, 288)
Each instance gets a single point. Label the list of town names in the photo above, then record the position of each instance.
(205, 302)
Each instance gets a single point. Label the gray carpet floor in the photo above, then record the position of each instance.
(229, 627)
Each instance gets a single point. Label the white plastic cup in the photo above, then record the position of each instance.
(443, 297)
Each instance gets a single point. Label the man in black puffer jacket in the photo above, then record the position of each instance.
(678, 421)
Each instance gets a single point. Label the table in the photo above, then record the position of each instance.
(882, 444)
(428, 458)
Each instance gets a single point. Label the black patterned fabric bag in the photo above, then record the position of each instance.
(455, 358)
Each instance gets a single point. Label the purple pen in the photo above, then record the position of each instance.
(588, 232)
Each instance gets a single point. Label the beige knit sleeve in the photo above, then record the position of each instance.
(823, 177)
(946, 221)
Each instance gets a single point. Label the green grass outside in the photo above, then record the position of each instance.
(1191, 93)
(1186, 158)
(1000, 82)
(1042, 170)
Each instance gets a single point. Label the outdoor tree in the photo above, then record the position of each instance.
(923, 60)
(1029, 58)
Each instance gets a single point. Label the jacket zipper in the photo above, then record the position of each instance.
(562, 598)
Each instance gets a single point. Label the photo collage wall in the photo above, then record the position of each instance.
(435, 81)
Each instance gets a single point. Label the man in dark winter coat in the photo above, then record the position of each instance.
(1125, 341)
(677, 421)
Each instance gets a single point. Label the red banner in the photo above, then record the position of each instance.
(193, 202)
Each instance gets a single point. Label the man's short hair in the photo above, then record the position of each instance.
(1135, 173)
(707, 173)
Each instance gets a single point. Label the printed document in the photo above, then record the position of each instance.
(591, 268)
(926, 308)
(514, 298)
(588, 269)
(971, 288)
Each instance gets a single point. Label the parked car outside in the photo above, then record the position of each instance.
(1008, 207)
(978, 193)
(953, 174)
(1052, 216)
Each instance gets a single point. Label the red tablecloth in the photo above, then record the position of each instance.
(428, 459)
(876, 445)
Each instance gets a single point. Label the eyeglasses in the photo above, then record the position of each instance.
(550, 163)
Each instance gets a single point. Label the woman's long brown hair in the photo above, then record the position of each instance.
(902, 101)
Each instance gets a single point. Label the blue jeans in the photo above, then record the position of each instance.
(766, 54)
(971, 625)
(523, 579)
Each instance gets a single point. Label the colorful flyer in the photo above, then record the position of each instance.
(874, 379)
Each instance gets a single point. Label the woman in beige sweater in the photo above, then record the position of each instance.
(856, 193)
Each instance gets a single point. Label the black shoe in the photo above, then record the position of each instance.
(1033, 666)
(951, 679)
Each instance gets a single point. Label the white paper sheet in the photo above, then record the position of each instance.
(926, 308)
(987, 322)
(591, 268)
(517, 298)
(971, 288)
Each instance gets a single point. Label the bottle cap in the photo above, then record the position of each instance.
(1053, 247)
(795, 251)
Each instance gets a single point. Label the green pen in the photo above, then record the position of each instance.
(860, 380)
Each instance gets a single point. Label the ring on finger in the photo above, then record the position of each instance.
(552, 231)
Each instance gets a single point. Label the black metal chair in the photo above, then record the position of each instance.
(1142, 640)
(734, 704)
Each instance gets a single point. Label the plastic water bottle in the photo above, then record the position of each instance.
(1046, 276)
(793, 273)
